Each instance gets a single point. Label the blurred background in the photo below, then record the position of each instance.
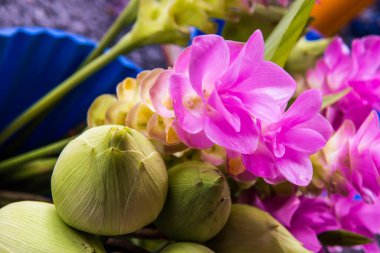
(90, 18)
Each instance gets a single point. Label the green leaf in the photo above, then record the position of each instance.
(342, 238)
(283, 38)
(333, 98)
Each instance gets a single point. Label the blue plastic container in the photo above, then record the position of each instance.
(32, 62)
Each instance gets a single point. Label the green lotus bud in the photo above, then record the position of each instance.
(108, 181)
(250, 229)
(186, 247)
(35, 227)
(198, 202)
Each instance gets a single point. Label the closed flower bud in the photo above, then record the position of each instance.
(109, 181)
(250, 229)
(186, 247)
(35, 227)
(198, 202)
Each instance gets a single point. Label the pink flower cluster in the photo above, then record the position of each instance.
(358, 69)
(306, 217)
(224, 92)
(356, 155)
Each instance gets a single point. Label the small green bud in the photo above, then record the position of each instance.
(198, 202)
(35, 227)
(250, 229)
(186, 247)
(109, 181)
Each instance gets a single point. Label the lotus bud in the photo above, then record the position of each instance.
(109, 181)
(35, 227)
(186, 247)
(198, 202)
(250, 229)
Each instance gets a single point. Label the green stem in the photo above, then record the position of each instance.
(65, 87)
(125, 18)
(51, 149)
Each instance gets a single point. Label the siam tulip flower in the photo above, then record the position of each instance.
(359, 70)
(221, 89)
(285, 146)
(353, 157)
(305, 217)
(224, 93)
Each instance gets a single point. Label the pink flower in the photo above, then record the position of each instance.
(306, 217)
(285, 146)
(356, 155)
(358, 69)
(355, 215)
(221, 90)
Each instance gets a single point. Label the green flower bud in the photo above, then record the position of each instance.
(35, 227)
(198, 202)
(109, 181)
(250, 229)
(186, 247)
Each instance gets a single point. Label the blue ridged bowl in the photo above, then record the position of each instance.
(33, 61)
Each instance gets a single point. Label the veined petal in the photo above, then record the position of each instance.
(272, 80)
(367, 132)
(188, 106)
(219, 131)
(303, 140)
(335, 51)
(261, 163)
(198, 140)
(147, 80)
(253, 54)
(182, 63)
(232, 119)
(295, 167)
(319, 124)
(209, 60)
(306, 106)
(160, 95)
(243, 62)
(260, 105)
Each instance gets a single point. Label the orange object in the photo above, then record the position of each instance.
(330, 16)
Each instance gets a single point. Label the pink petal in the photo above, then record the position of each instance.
(189, 114)
(319, 124)
(148, 80)
(307, 236)
(369, 91)
(282, 208)
(306, 106)
(316, 78)
(367, 132)
(335, 51)
(159, 95)
(182, 63)
(246, 62)
(261, 163)
(295, 167)
(198, 140)
(272, 80)
(235, 48)
(208, 61)
(303, 140)
(219, 131)
(260, 105)
(232, 119)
